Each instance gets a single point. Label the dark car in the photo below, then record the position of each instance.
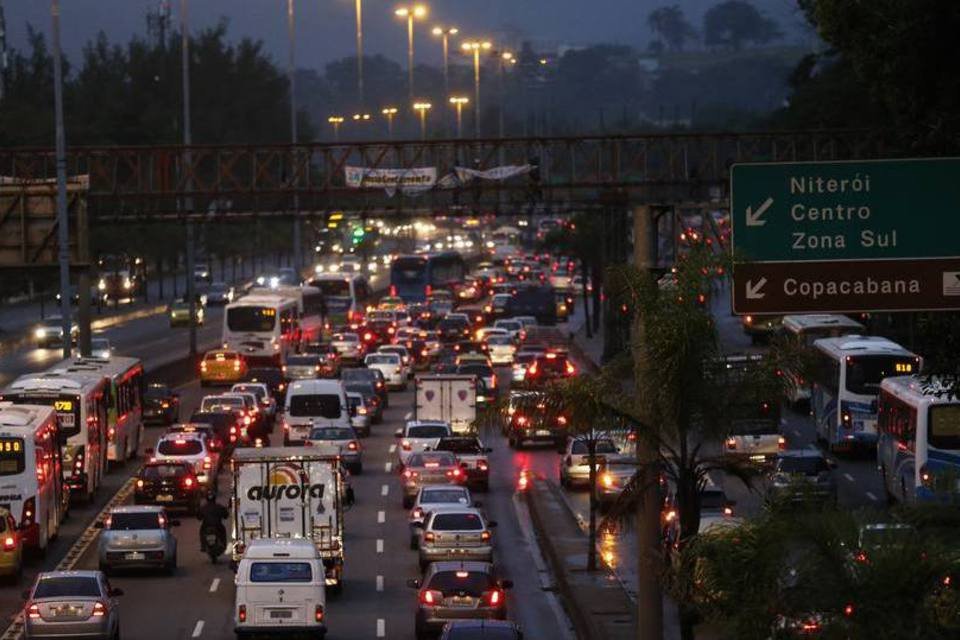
(539, 302)
(472, 456)
(457, 591)
(453, 329)
(370, 398)
(224, 423)
(552, 365)
(802, 476)
(161, 404)
(470, 346)
(481, 630)
(271, 377)
(169, 484)
(329, 358)
(374, 376)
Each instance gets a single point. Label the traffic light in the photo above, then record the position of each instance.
(358, 235)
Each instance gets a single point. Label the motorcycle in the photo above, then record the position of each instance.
(214, 542)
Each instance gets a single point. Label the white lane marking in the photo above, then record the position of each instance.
(408, 416)
(393, 448)
(381, 628)
(388, 466)
(871, 496)
(381, 517)
(848, 477)
(214, 585)
(384, 490)
(379, 583)
(197, 630)
(379, 545)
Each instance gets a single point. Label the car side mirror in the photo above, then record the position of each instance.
(492, 524)
(506, 584)
(115, 592)
(413, 583)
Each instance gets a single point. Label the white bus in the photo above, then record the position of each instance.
(345, 296)
(807, 328)
(264, 328)
(81, 400)
(31, 471)
(124, 404)
(918, 452)
(846, 381)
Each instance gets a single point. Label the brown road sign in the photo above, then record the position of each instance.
(847, 286)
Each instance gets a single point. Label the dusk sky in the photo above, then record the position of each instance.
(325, 28)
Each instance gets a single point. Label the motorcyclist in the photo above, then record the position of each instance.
(211, 516)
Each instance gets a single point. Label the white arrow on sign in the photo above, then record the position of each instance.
(753, 290)
(753, 217)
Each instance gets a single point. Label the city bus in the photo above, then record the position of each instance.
(81, 400)
(918, 452)
(806, 328)
(847, 372)
(345, 296)
(31, 471)
(414, 278)
(124, 404)
(264, 328)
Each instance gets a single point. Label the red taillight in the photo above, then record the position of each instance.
(849, 609)
(731, 443)
(188, 482)
(482, 465)
(318, 613)
(431, 597)
(242, 613)
(407, 473)
(428, 289)
(203, 367)
(417, 513)
(521, 420)
(368, 336)
(352, 445)
(33, 611)
(9, 543)
(533, 369)
(393, 290)
(99, 609)
(485, 536)
(406, 446)
(782, 443)
(494, 598)
(429, 536)
(454, 473)
(207, 462)
(570, 368)
(139, 484)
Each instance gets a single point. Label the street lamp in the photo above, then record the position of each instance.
(336, 121)
(444, 33)
(475, 47)
(422, 107)
(410, 13)
(390, 112)
(506, 58)
(458, 102)
(361, 117)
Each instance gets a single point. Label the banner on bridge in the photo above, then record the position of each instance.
(406, 180)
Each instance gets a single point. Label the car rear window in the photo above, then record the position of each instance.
(322, 405)
(443, 496)
(163, 471)
(281, 572)
(483, 633)
(176, 447)
(428, 431)
(303, 361)
(460, 445)
(386, 358)
(808, 466)
(68, 587)
(432, 459)
(134, 521)
(331, 433)
(603, 446)
(220, 356)
(473, 583)
(457, 522)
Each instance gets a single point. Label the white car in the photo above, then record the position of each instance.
(348, 345)
(501, 349)
(419, 436)
(575, 461)
(431, 498)
(191, 448)
(458, 534)
(339, 441)
(512, 325)
(391, 366)
(405, 358)
(487, 332)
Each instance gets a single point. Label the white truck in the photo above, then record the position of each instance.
(448, 398)
(288, 493)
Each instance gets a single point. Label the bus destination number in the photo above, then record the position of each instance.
(10, 446)
(63, 405)
(268, 313)
(904, 367)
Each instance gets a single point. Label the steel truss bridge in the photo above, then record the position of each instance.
(220, 182)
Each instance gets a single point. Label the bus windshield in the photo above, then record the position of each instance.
(12, 459)
(944, 429)
(864, 373)
(332, 288)
(408, 270)
(257, 319)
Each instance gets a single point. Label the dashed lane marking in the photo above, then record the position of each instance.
(381, 628)
(381, 517)
(393, 448)
(198, 629)
(388, 466)
(384, 490)
(379, 583)
(848, 477)
(379, 545)
(214, 585)
(871, 496)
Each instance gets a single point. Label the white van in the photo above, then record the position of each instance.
(313, 403)
(280, 589)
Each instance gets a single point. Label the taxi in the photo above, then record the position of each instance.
(11, 549)
(222, 367)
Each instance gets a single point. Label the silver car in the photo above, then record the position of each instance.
(339, 441)
(360, 417)
(138, 537)
(456, 533)
(432, 497)
(72, 604)
(348, 345)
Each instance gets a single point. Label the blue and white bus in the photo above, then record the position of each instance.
(414, 278)
(846, 381)
(918, 453)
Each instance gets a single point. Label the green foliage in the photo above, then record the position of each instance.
(733, 23)
(671, 26)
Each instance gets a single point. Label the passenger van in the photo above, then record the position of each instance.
(31, 471)
(280, 589)
(313, 403)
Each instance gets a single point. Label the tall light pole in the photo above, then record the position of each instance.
(475, 47)
(390, 112)
(188, 182)
(410, 13)
(458, 102)
(422, 107)
(291, 73)
(444, 33)
(63, 232)
(506, 58)
(336, 121)
(359, 4)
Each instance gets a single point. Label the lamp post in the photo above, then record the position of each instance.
(475, 47)
(444, 34)
(390, 112)
(422, 107)
(506, 58)
(336, 121)
(187, 141)
(359, 5)
(410, 13)
(458, 102)
(291, 73)
(63, 233)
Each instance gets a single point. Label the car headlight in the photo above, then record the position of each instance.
(102, 285)
(127, 283)
(40, 332)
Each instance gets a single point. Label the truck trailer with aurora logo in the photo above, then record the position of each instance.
(289, 492)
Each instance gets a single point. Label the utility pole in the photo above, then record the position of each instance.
(3, 53)
(63, 230)
(359, 53)
(187, 161)
(291, 73)
(649, 595)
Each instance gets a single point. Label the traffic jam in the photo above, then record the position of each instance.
(258, 466)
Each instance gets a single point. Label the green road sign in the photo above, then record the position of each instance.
(869, 210)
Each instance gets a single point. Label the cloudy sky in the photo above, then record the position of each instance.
(325, 28)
